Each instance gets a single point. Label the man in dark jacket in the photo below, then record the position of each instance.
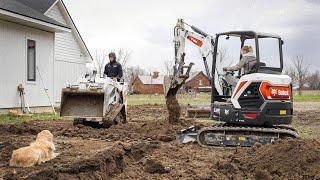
(113, 69)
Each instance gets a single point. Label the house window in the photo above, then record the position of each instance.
(200, 82)
(31, 60)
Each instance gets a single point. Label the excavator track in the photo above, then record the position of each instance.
(243, 136)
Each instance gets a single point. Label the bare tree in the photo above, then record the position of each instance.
(168, 65)
(132, 73)
(298, 72)
(100, 58)
(313, 80)
(224, 59)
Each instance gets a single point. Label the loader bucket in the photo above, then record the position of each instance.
(79, 103)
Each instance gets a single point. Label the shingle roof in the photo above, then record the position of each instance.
(15, 6)
(38, 5)
(193, 75)
(150, 80)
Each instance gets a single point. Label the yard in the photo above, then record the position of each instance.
(145, 148)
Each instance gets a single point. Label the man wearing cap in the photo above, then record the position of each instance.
(113, 69)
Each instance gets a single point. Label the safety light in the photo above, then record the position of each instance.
(277, 92)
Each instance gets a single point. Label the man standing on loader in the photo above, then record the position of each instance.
(113, 69)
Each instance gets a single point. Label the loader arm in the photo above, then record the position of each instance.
(181, 72)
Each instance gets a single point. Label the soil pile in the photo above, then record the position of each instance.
(287, 159)
(102, 165)
(153, 166)
(308, 117)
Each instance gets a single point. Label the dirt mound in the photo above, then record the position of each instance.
(173, 109)
(153, 166)
(23, 128)
(5, 153)
(102, 165)
(308, 117)
(34, 127)
(286, 159)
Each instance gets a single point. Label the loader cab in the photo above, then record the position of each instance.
(267, 50)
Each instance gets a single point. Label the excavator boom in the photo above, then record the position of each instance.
(181, 71)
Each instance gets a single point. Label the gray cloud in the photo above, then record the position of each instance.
(146, 26)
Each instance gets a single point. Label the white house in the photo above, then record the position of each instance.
(38, 33)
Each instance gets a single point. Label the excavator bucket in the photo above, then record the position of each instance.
(175, 82)
(94, 107)
(78, 103)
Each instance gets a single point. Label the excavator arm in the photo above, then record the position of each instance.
(181, 72)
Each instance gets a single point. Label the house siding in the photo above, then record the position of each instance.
(55, 14)
(13, 60)
(69, 59)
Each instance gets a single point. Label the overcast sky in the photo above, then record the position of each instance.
(146, 26)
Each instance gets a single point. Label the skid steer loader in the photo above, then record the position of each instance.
(252, 107)
(95, 102)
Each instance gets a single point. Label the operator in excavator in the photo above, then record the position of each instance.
(248, 61)
(113, 69)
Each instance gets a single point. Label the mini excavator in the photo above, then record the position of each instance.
(256, 107)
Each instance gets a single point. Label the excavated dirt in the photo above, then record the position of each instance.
(285, 159)
(308, 117)
(145, 148)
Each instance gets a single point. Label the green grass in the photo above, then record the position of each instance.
(184, 99)
(15, 119)
(140, 99)
(307, 98)
(204, 98)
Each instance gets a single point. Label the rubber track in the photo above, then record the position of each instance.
(276, 131)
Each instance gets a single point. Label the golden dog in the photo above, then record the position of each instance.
(37, 152)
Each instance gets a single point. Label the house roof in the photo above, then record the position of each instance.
(37, 9)
(40, 6)
(150, 80)
(76, 29)
(193, 75)
(17, 7)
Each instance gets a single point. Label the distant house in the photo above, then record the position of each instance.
(197, 82)
(152, 84)
(38, 36)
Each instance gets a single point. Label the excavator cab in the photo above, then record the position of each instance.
(260, 97)
(269, 58)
